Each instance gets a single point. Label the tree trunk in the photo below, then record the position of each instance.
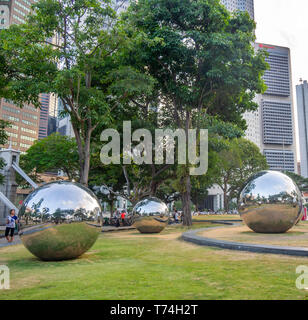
(86, 160)
(226, 197)
(186, 196)
(226, 201)
(187, 219)
(111, 208)
(83, 153)
(80, 150)
(154, 186)
(86, 168)
(100, 218)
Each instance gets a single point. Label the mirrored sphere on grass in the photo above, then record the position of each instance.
(270, 202)
(151, 215)
(58, 220)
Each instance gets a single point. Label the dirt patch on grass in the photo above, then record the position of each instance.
(25, 282)
(137, 235)
(297, 236)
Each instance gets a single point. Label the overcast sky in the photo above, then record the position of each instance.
(285, 23)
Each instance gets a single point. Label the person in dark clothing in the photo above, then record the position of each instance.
(10, 226)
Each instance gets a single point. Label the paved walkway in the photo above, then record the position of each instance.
(4, 243)
(110, 228)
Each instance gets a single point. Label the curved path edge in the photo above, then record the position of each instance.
(191, 236)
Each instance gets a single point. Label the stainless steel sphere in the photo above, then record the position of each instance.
(151, 215)
(58, 220)
(270, 203)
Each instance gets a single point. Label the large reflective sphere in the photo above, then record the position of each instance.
(270, 203)
(58, 220)
(151, 215)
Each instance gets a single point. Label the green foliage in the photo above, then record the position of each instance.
(140, 180)
(3, 137)
(205, 60)
(52, 153)
(301, 182)
(204, 65)
(80, 62)
(3, 134)
(239, 160)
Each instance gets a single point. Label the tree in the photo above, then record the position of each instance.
(78, 45)
(135, 181)
(3, 140)
(52, 153)
(301, 182)
(238, 161)
(204, 65)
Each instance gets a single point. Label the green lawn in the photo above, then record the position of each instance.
(128, 265)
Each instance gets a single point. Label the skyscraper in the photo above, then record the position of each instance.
(276, 111)
(302, 109)
(242, 5)
(271, 127)
(43, 124)
(25, 122)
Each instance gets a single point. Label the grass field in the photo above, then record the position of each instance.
(129, 265)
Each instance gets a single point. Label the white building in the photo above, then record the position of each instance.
(302, 109)
(253, 132)
(215, 199)
(4, 15)
(241, 5)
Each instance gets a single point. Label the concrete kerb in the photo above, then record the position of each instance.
(191, 236)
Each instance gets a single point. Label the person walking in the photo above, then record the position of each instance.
(123, 214)
(10, 226)
(16, 221)
(176, 216)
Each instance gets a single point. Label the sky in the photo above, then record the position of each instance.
(285, 23)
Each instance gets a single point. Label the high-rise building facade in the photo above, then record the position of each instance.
(272, 126)
(253, 132)
(44, 114)
(241, 5)
(302, 110)
(14, 11)
(276, 111)
(25, 121)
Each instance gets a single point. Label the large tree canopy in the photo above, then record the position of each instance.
(72, 49)
(204, 65)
